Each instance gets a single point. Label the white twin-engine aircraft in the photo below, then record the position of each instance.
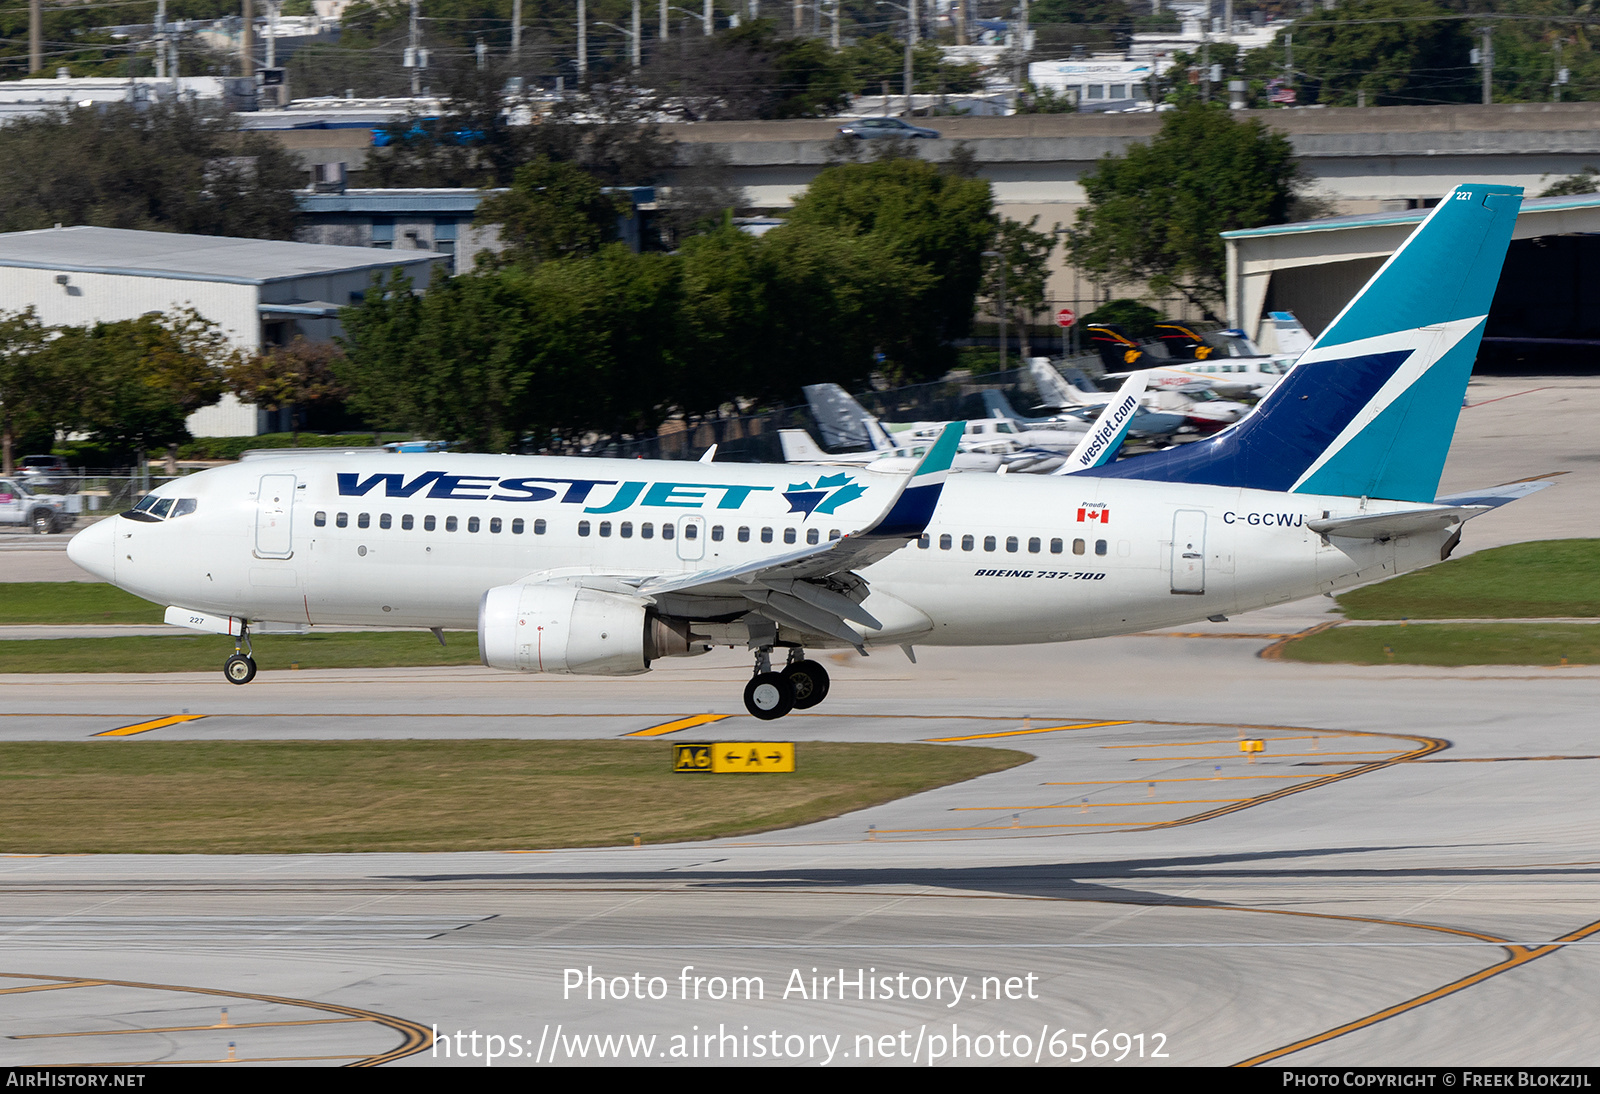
(603, 566)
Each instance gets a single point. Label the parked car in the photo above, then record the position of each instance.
(871, 128)
(44, 513)
(45, 474)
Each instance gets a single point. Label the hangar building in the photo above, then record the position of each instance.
(1549, 292)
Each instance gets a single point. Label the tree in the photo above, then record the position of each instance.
(934, 224)
(139, 379)
(1024, 254)
(748, 72)
(1584, 182)
(33, 399)
(1154, 214)
(553, 210)
(1397, 51)
(171, 167)
(301, 376)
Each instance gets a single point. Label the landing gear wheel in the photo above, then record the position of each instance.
(769, 695)
(809, 681)
(240, 669)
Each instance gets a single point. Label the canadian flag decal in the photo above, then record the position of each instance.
(1101, 515)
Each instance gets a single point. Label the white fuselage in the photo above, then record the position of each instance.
(415, 541)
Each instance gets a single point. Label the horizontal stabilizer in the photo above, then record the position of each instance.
(1496, 496)
(1407, 522)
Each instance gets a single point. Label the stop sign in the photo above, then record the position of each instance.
(1066, 317)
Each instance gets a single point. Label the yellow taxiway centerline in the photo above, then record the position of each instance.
(1022, 732)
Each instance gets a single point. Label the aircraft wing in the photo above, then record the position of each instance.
(812, 588)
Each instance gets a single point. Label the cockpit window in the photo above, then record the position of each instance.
(145, 503)
(185, 506)
(153, 508)
(161, 508)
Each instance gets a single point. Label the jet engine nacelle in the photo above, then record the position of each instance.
(562, 628)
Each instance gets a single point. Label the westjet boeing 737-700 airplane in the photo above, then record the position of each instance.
(602, 566)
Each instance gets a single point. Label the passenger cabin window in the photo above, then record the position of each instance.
(988, 543)
(429, 523)
(766, 535)
(385, 521)
(788, 535)
(716, 533)
(583, 527)
(813, 535)
(516, 527)
(922, 541)
(647, 530)
(450, 524)
(744, 535)
(494, 525)
(833, 533)
(408, 522)
(668, 531)
(691, 531)
(968, 543)
(472, 524)
(1033, 545)
(1099, 546)
(605, 528)
(538, 527)
(364, 520)
(626, 529)
(945, 543)
(1077, 546)
(342, 520)
(321, 519)
(1055, 546)
(1011, 544)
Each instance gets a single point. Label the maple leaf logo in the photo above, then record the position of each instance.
(824, 496)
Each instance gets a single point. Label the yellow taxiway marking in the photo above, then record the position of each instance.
(184, 1029)
(1090, 805)
(146, 727)
(1225, 741)
(1023, 732)
(53, 987)
(1517, 955)
(1013, 827)
(1281, 755)
(682, 723)
(1193, 779)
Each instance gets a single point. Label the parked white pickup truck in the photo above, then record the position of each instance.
(42, 512)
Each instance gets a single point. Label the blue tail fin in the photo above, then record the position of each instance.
(1369, 409)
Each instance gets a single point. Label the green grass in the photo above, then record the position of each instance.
(60, 602)
(1555, 577)
(206, 652)
(1452, 644)
(289, 797)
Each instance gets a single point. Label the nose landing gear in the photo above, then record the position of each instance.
(241, 667)
(801, 685)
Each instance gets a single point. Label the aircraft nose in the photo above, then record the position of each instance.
(94, 549)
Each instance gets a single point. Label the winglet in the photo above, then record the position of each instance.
(913, 507)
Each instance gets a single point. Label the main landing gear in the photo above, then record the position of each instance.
(800, 685)
(241, 667)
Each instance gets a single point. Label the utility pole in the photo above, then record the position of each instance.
(413, 52)
(911, 41)
(161, 39)
(583, 42)
(663, 29)
(516, 29)
(247, 41)
(1487, 57)
(272, 31)
(636, 35)
(833, 39)
(706, 22)
(1022, 42)
(35, 36)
